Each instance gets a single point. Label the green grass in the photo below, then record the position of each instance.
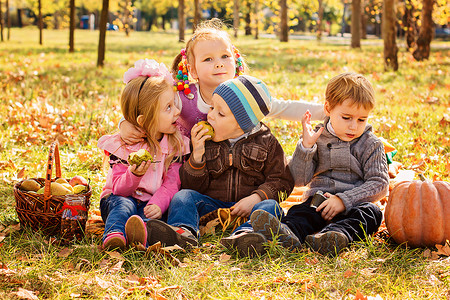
(47, 93)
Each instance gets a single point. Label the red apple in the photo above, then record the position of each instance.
(77, 179)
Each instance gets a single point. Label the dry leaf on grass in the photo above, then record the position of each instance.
(210, 227)
(203, 275)
(223, 258)
(65, 252)
(348, 274)
(443, 249)
(25, 294)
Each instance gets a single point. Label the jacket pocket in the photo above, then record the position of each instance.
(213, 161)
(253, 157)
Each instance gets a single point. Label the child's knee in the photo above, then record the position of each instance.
(183, 197)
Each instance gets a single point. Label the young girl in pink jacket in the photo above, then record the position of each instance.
(136, 192)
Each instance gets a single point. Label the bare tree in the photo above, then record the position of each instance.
(356, 24)
(410, 24)
(40, 25)
(72, 26)
(389, 26)
(1, 22)
(363, 20)
(425, 33)
(256, 19)
(236, 17)
(320, 21)
(283, 21)
(248, 18)
(197, 16)
(102, 35)
(181, 21)
(8, 19)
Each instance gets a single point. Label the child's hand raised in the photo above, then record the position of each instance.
(131, 134)
(141, 169)
(198, 139)
(331, 207)
(309, 135)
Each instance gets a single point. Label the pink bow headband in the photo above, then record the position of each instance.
(149, 68)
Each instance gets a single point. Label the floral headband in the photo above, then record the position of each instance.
(149, 68)
(182, 76)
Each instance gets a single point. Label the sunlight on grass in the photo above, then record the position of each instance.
(47, 93)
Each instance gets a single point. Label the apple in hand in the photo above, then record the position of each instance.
(77, 179)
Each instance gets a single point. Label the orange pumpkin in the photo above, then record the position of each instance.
(418, 213)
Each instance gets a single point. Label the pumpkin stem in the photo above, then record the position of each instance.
(422, 177)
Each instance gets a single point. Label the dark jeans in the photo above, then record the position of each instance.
(363, 219)
(187, 206)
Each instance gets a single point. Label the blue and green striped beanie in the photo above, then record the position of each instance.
(248, 99)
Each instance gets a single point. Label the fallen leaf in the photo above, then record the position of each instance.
(21, 173)
(224, 258)
(65, 252)
(2, 236)
(103, 283)
(443, 249)
(116, 255)
(203, 275)
(348, 274)
(12, 228)
(360, 296)
(25, 294)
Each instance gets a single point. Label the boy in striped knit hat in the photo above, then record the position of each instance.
(344, 160)
(242, 167)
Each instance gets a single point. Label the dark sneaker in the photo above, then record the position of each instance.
(269, 226)
(159, 231)
(330, 242)
(246, 243)
(135, 231)
(114, 240)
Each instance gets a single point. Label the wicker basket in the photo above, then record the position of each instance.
(43, 211)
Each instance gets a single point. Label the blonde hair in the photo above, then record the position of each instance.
(210, 30)
(142, 98)
(350, 86)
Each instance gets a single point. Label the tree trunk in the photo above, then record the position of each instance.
(8, 19)
(283, 21)
(389, 33)
(40, 25)
(197, 16)
(102, 36)
(425, 33)
(248, 19)
(1, 22)
(236, 17)
(410, 25)
(256, 19)
(356, 24)
(320, 21)
(363, 21)
(181, 21)
(72, 26)
(126, 19)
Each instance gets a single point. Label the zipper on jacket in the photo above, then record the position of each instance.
(230, 162)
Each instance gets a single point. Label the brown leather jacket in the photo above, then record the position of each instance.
(255, 164)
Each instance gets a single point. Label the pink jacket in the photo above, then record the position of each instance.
(154, 186)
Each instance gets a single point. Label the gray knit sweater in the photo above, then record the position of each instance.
(355, 171)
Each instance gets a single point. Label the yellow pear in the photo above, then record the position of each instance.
(30, 185)
(41, 190)
(136, 158)
(79, 189)
(57, 189)
(67, 186)
(61, 180)
(209, 127)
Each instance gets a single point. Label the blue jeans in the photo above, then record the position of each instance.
(187, 206)
(116, 210)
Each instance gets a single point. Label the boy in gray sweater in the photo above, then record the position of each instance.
(344, 164)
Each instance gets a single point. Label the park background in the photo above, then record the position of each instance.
(58, 84)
